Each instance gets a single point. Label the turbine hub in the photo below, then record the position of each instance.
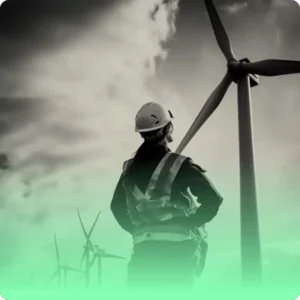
(236, 69)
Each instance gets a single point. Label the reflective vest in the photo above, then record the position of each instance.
(148, 210)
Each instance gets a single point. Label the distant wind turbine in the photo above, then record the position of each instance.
(99, 254)
(61, 269)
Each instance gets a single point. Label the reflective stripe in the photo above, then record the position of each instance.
(163, 233)
(155, 176)
(155, 205)
(168, 233)
(167, 228)
(141, 206)
(159, 189)
(173, 172)
(137, 193)
(163, 189)
(160, 236)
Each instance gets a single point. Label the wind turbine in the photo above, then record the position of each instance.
(99, 254)
(87, 248)
(61, 270)
(242, 72)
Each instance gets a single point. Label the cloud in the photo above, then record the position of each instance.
(67, 113)
(235, 7)
(108, 64)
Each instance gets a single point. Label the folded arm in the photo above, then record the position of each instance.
(206, 194)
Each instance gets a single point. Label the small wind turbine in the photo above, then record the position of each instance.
(61, 270)
(87, 248)
(243, 73)
(98, 255)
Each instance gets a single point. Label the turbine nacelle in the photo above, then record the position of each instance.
(235, 68)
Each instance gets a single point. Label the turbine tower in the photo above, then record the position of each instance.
(242, 72)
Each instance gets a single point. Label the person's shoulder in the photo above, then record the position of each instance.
(189, 163)
(178, 157)
(127, 163)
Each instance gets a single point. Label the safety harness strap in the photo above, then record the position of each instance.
(164, 233)
(168, 175)
(156, 175)
(155, 204)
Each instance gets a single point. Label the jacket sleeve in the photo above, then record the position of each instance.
(119, 207)
(203, 189)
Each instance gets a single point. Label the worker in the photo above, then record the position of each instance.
(163, 200)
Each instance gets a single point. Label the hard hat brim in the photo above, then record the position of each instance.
(153, 128)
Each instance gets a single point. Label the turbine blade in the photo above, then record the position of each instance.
(92, 228)
(219, 30)
(88, 235)
(272, 67)
(83, 257)
(81, 223)
(209, 107)
(106, 255)
(88, 242)
(83, 275)
(56, 250)
(73, 269)
(53, 276)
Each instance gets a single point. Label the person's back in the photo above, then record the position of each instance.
(153, 202)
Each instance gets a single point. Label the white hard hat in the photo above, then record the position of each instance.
(152, 116)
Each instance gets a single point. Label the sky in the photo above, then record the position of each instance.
(73, 75)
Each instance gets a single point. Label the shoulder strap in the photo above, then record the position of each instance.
(156, 174)
(202, 170)
(170, 174)
(167, 173)
(175, 169)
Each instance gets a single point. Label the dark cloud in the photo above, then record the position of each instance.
(50, 161)
(29, 26)
(16, 112)
(19, 16)
(4, 162)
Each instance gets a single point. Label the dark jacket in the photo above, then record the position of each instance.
(190, 175)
